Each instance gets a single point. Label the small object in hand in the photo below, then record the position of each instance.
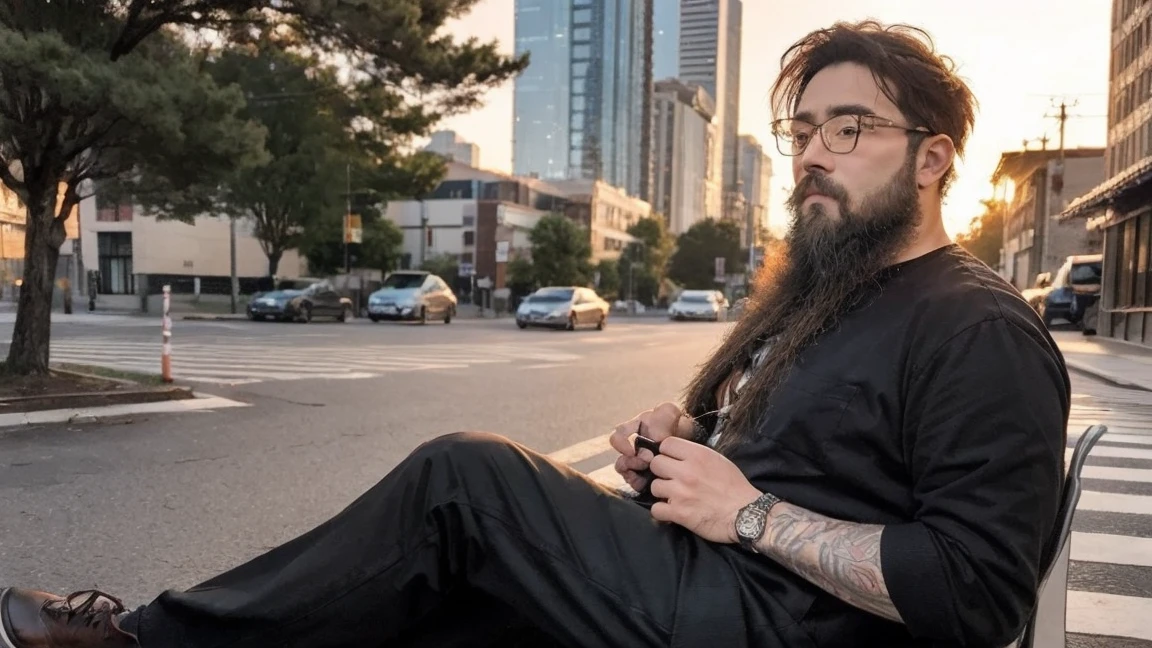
(645, 497)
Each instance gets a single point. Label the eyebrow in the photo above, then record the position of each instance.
(836, 111)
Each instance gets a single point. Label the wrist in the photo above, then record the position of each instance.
(752, 520)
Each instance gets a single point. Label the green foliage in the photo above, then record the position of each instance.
(609, 286)
(985, 236)
(693, 263)
(443, 265)
(650, 259)
(379, 249)
(520, 275)
(110, 90)
(561, 252)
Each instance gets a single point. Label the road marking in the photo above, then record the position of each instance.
(1119, 474)
(1109, 615)
(583, 450)
(1115, 453)
(544, 366)
(1115, 503)
(1106, 548)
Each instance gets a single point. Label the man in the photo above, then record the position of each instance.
(873, 457)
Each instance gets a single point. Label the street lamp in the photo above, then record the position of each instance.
(631, 274)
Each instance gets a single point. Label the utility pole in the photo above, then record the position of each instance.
(232, 254)
(347, 217)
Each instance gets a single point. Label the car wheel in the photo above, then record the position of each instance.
(306, 314)
(374, 318)
(448, 315)
(602, 323)
(522, 325)
(423, 315)
(571, 323)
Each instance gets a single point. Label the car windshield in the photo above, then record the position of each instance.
(695, 299)
(404, 281)
(316, 288)
(553, 296)
(1085, 273)
(291, 284)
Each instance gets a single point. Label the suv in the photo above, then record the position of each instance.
(1075, 289)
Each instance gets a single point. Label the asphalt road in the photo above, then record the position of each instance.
(148, 502)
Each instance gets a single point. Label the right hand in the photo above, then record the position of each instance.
(663, 421)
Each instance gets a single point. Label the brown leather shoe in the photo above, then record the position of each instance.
(30, 619)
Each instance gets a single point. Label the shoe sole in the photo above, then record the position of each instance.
(6, 631)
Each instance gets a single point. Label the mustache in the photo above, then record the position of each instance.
(817, 183)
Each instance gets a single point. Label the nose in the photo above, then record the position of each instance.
(816, 158)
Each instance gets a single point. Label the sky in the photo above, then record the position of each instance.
(1020, 57)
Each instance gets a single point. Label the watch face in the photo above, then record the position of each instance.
(749, 524)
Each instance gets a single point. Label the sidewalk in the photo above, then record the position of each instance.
(1119, 363)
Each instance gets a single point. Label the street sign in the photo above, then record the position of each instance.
(353, 229)
(720, 278)
(502, 251)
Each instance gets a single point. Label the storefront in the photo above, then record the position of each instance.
(1122, 209)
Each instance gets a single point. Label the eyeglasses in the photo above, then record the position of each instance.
(840, 133)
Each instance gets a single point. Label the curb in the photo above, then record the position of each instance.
(1092, 372)
(29, 404)
(218, 318)
(96, 414)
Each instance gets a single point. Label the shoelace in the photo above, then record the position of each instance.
(87, 610)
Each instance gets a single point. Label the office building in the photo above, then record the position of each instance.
(710, 58)
(685, 189)
(580, 105)
(754, 179)
(454, 147)
(1121, 206)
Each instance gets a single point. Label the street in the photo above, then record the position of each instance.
(140, 503)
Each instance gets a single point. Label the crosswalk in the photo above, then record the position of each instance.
(1109, 601)
(244, 361)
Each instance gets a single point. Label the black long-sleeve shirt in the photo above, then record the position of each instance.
(939, 410)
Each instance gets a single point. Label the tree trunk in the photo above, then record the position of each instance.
(274, 262)
(28, 354)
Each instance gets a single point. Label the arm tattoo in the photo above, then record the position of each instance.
(843, 558)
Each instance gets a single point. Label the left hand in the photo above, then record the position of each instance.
(703, 489)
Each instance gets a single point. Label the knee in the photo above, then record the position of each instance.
(466, 447)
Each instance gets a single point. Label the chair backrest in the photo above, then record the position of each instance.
(1069, 498)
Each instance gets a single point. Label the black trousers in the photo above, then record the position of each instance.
(473, 540)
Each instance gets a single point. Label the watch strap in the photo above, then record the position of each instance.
(761, 506)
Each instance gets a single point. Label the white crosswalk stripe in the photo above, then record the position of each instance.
(232, 362)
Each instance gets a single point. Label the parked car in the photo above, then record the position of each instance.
(563, 307)
(708, 305)
(413, 295)
(1071, 293)
(300, 301)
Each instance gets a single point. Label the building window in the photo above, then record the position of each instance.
(469, 238)
(428, 236)
(114, 250)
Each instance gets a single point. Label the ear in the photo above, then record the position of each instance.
(936, 155)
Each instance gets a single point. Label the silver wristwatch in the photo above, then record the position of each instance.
(752, 520)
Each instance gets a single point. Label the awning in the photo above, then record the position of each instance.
(1105, 194)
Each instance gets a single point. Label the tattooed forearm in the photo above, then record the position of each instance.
(843, 558)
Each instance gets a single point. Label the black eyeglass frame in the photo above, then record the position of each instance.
(785, 140)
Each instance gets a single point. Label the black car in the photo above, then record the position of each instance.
(296, 304)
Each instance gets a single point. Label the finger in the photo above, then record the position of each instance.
(621, 465)
(645, 455)
(663, 421)
(663, 512)
(682, 449)
(635, 481)
(668, 468)
(620, 439)
(635, 463)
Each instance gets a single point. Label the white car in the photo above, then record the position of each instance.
(707, 305)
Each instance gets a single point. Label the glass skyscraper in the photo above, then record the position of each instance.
(665, 39)
(579, 107)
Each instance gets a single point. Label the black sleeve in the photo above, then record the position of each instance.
(985, 423)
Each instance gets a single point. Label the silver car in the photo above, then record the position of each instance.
(707, 305)
(563, 307)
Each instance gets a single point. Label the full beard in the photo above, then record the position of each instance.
(830, 266)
